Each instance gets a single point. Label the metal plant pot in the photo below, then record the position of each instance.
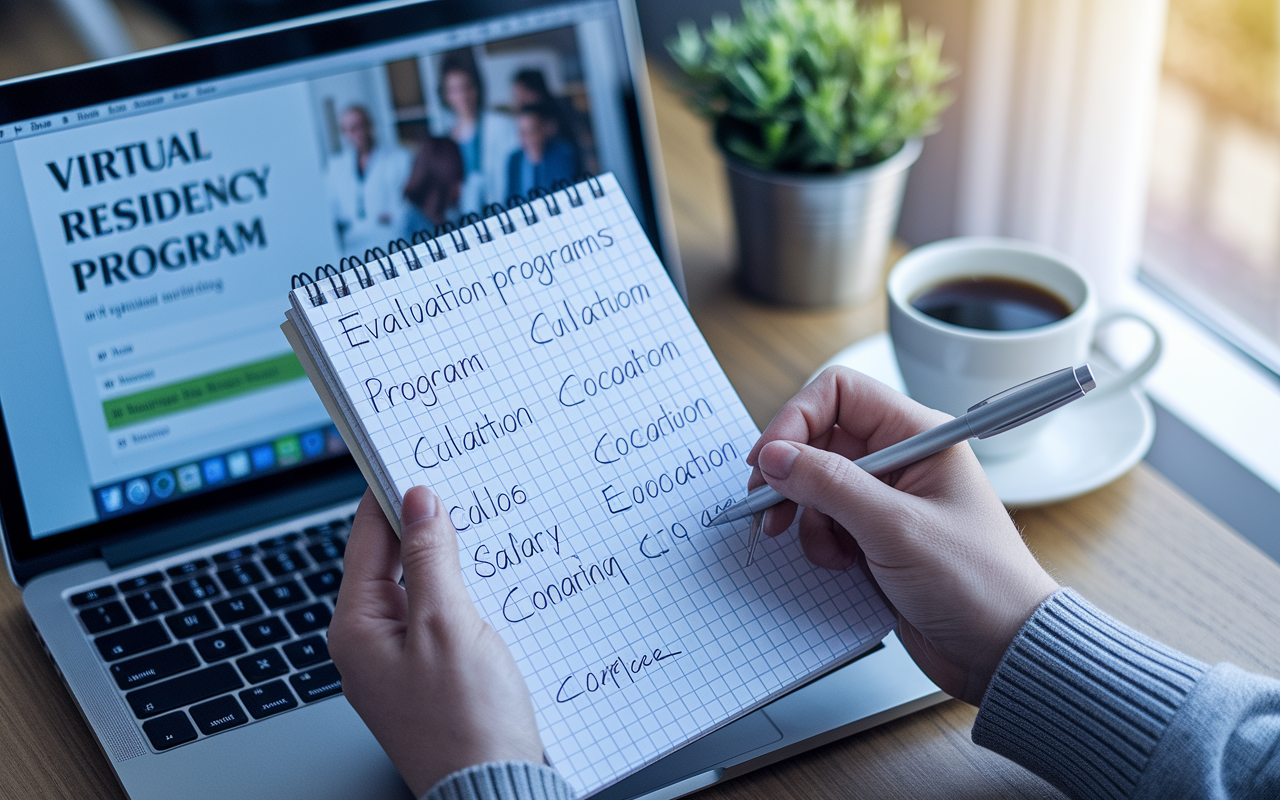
(817, 240)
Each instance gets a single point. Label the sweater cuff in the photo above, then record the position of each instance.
(502, 780)
(1081, 699)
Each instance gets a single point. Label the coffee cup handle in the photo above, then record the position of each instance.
(1137, 373)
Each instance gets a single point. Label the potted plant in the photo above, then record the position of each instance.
(818, 108)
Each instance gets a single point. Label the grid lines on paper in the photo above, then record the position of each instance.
(636, 628)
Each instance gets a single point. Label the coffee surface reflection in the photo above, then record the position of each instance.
(991, 304)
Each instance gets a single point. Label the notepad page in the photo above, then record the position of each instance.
(552, 387)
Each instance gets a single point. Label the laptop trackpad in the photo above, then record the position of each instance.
(752, 732)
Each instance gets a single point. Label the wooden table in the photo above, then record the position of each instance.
(1138, 548)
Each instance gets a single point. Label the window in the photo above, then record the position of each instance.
(1212, 239)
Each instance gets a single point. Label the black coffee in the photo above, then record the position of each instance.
(991, 304)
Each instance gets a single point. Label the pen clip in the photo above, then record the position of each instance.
(1027, 401)
(753, 536)
(1000, 396)
(1025, 418)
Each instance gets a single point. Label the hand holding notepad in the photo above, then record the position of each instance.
(540, 371)
(435, 684)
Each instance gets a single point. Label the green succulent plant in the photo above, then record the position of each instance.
(814, 85)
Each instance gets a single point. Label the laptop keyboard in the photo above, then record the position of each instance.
(218, 642)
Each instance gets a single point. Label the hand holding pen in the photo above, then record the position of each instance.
(997, 414)
(937, 542)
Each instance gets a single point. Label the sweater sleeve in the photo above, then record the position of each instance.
(1100, 710)
(502, 780)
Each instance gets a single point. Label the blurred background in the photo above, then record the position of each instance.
(1213, 217)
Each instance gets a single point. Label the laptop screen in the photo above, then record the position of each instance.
(150, 235)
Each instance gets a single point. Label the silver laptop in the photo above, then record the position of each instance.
(174, 499)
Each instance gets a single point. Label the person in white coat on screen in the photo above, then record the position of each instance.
(484, 137)
(366, 186)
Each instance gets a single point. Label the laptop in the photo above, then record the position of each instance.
(174, 499)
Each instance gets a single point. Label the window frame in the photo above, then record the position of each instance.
(1211, 385)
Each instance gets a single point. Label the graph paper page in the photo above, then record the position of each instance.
(553, 389)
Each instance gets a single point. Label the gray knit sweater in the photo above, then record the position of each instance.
(1092, 706)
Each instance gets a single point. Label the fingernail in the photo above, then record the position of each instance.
(777, 459)
(431, 504)
(427, 507)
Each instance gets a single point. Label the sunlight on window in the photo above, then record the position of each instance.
(1213, 221)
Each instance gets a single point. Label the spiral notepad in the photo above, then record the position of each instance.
(539, 370)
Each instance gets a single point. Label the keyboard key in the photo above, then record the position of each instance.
(218, 715)
(223, 644)
(263, 665)
(305, 652)
(150, 579)
(122, 644)
(183, 690)
(317, 684)
(326, 530)
(190, 622)
(282, 594)
(311, 618)
(170, 730)
(92, 596)
(240, 575)
(267, 699)
(326, 550)
(151, 602)
(276, 542)
(189, 568)
(195, 590)
(104, 617)
(153, 666)
(323, 583)
(264, 632)
(284, 562)
(237, 608)
(235, 554)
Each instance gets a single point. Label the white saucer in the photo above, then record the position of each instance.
(1087, 444)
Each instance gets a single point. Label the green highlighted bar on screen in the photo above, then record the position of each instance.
(196, 392)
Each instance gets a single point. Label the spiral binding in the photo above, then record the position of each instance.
(454, 235)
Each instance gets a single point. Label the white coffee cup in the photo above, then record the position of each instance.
(950, 367)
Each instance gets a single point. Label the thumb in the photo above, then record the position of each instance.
(429, 555)
(828, 482)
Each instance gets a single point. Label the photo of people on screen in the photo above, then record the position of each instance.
(435, 184)
(484, 136)
(422, 142)
(546, 153)
(366, 182)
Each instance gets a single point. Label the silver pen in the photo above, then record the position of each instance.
(996, 414)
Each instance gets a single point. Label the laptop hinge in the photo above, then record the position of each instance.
(316, 494)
